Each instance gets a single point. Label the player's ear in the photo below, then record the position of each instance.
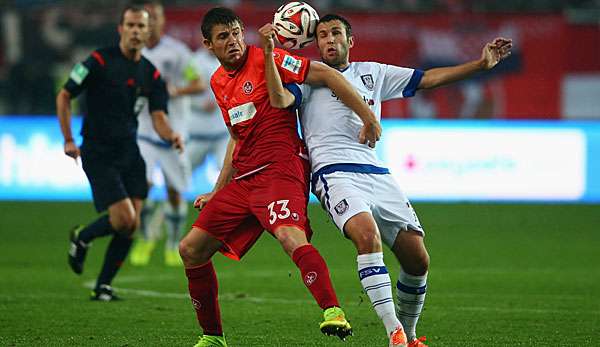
(208, 44)
(351, 42)
(120, 29)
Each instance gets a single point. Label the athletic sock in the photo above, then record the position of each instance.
(146, 218)
(175, 220)
(98, 228)
(204, 290)
(376, 282)
(315, 275)
(411, 296)
(117, 251)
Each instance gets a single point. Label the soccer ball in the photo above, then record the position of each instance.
(296, 23)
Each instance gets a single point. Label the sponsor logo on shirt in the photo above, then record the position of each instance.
(241, 113)
(292, 64)
(79, 73)
(248, 87)
(367, 80)
(341, 207)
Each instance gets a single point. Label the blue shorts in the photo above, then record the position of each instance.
(115, 172)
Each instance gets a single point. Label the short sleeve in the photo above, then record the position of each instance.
(292, 68)
(82, 73)
(157, 100)
(400, 82)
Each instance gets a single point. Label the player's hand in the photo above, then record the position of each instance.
(201, 200)
(177, 142)
(173, 93)
(370, 133)
(495, 51)
(267, 34)
(71, 149)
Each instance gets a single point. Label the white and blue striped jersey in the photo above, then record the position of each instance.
(173, 59)
(331, 129)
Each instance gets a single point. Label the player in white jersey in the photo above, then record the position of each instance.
(359, 194)
(208, 134)
(173, 59)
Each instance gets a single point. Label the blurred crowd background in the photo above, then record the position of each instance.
(554, 72)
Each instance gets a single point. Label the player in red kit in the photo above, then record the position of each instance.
(263, 184)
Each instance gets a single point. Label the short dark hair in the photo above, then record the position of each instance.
(331, 17)
(216, 16)
(132, 8)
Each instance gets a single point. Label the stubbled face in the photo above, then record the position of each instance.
(227, 44)
(334, 44)
(157, 21)
(134, 30)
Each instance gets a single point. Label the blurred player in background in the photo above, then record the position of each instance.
(115, 79)
(173, 60)
(264, 181)
(359, 194)
(208, 134)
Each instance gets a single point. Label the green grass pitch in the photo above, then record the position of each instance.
(501, 275)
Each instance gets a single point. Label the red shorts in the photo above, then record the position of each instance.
(273, 197)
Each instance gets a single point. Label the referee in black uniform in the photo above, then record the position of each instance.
(118, 81)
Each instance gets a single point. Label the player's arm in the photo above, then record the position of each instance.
(493, 52)
(79, 79)
(227, 171)
(279, 96)
(225, 176)
(321, 74)
(63, 111)
(157, 105)
(162, 127)
(195, 84)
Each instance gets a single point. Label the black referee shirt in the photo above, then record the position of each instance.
(117, 88)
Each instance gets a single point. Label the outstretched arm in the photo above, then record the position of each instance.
(492, 54)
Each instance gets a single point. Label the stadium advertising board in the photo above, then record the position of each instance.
(433, 161)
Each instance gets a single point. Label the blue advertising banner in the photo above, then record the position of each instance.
(433, 160)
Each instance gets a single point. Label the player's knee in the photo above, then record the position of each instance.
(290, 238)
(124, 223)
(190, 253)
(367, 240)
(418, 265)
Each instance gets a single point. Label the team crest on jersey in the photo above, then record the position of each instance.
(248, 87)
(341, 207)
(367, 80)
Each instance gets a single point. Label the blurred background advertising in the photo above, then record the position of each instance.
(527, 130)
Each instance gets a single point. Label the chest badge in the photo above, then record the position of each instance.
(248, 87)
(367, 80)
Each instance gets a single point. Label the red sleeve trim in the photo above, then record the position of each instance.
(156, 74)
(99, 58)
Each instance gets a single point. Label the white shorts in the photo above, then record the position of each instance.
(175, 166)
(346, 194)
(198, 147)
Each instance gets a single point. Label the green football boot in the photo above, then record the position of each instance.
(335, 323)
(211, 341)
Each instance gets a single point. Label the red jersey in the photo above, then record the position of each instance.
(265, 134)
